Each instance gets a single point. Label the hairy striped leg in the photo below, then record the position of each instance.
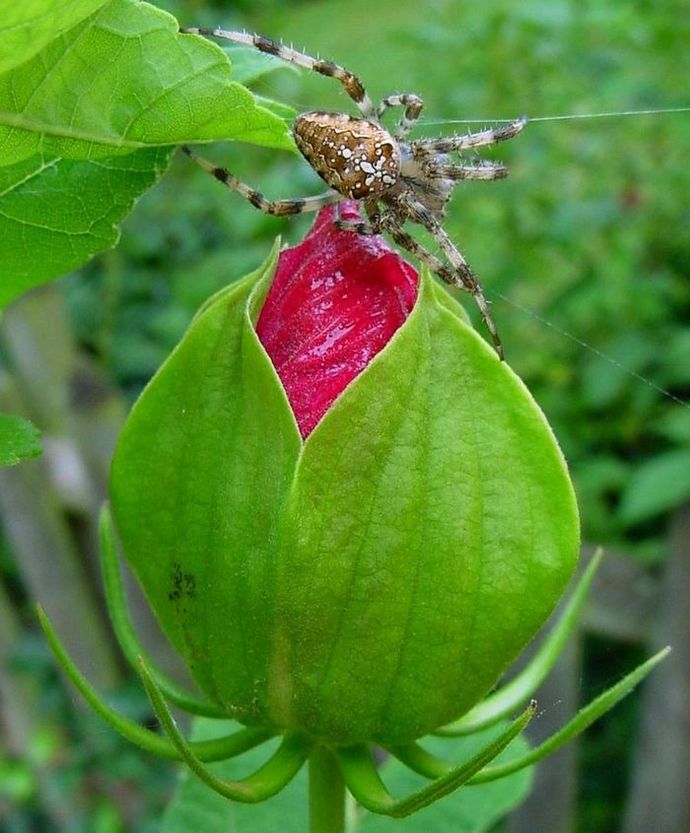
(413, 107)
(478, 170)
(350, 83)
(448, 144)
(279, 208)
(459, 274)
(387, 221)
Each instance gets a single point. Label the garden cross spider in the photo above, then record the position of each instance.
(395, 180)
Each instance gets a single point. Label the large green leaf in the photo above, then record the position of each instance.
(25, 28)
(248, 65)
(55, 213)
(373, 582)
(124, 79)
(80, 123)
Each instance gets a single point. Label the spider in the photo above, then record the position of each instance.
(395, 180)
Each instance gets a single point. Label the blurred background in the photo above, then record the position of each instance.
(584, 252)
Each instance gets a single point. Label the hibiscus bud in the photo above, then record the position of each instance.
(351, 523)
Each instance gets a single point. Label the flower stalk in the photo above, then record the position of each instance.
(326, 793)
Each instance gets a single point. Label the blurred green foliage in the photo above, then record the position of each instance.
(21, 440)
(73, 769)
(585, 252)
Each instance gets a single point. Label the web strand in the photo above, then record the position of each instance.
(569, 117)
(590, 348)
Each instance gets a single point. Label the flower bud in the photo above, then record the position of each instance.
(349, 517)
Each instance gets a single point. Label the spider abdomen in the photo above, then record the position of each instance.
(356, 157)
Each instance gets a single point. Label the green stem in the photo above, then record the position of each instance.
(326, 793)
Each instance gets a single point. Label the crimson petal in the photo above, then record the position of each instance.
(336, 300)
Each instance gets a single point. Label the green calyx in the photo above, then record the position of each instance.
(372, 582)
(331, 770)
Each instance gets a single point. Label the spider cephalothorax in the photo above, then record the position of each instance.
(396, 180)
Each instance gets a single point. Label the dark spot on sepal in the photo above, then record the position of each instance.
(182, 584)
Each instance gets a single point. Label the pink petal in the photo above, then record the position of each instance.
(335, 302)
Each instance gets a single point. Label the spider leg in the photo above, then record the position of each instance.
(413, 107)
(459, 275)
(279, 208)
(432, 147)
(354, 226)
(358, 226)
(407, 241)
(350, 83)
(478, 170)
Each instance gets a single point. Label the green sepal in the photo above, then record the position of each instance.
(438, 491)
(265, 782)
(583, 719)
(198, 478)
(507, 698)
(124, 627)
(364, 782)
(423, 762)
(217, 749)
(372, 582)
